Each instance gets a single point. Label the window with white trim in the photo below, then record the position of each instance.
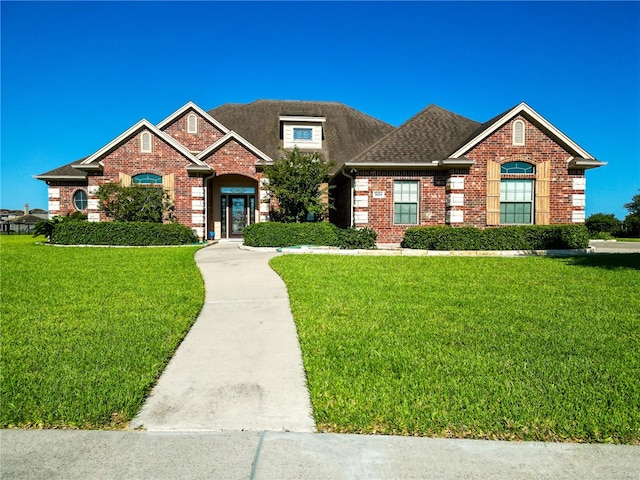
(516, 201)
(405, 202)
(145, 142)
(518, 132)
(147, 179)
(80, 200)
(305, 134)
(192, 123)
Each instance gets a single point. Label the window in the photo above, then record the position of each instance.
(517, 167)
(518, 132)
(80, 200)
(192, 123)
(145, 142)
(516, 201)
(405, 202)
(147, 179)
(303, 134)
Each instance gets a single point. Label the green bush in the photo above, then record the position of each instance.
(525, 237)
(352, 238)
(122, 233)
(603, 223)
(275, 234)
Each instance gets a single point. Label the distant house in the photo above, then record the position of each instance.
(20, 221)
(438, 168)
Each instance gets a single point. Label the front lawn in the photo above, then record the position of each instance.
(502, 348)
(87, 331)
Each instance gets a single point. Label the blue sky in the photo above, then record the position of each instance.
(75, 75)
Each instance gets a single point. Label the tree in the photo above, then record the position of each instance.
(295, 181)
(135, 203)
(632, 220)
(603, 223)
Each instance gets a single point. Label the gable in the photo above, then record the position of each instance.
(193, 128)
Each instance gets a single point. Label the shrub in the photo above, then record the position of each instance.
(276, 234)
(45, 227)
(352, 238)
(122, 233)
(525, 237)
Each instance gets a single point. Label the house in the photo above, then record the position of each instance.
(437, 168)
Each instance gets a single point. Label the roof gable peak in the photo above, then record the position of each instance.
(192, 106)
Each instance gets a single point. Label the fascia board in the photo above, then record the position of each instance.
(200, 168)
(586, 163)
(522, 107)
(235, 136)
(132, 131)
(191, 105)
(60, 177)
(398, 166)
(298, 118)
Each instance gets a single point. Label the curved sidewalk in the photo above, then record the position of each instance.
(240, 365)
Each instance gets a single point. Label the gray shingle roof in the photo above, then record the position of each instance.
(347, 131)
(431, 135)
(65, 171)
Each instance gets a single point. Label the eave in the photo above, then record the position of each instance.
(585, 163)
(61, 178)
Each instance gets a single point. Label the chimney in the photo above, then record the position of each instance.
(26, 209)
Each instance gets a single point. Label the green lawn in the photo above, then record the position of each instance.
(502, 348)
(87, 331)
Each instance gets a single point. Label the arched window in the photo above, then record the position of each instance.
(147, 179)
(145, 142)
(516, 194)
(192, 123)
(518, 132)
(517, 167)
(80, 200)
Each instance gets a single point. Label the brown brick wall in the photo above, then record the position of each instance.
(195, 142)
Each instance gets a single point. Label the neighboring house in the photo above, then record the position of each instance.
(20, 221)
(438, 168)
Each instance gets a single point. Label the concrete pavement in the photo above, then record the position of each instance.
(601, 246)
(71, 455)
(240, 365)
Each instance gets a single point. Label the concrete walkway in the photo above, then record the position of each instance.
(240, 366)
(233, 397)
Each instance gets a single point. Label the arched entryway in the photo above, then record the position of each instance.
(232, 205)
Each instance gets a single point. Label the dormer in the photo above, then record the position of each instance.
(303, 132)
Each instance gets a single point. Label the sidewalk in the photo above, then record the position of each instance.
(232, 404)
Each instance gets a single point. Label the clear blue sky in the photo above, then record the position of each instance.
(75, 75)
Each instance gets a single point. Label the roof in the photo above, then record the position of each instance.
(427, 138)
(26, 219)
(65, 172)
(347, 131)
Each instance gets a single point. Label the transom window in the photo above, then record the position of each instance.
(516, 201)
(147, 179)
(405, 202)
(302, 134)
(145, 142)
(80, 200)
(517, 167)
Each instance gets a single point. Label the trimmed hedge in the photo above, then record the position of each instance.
(524, 237)
(275, 234)
(122, 233)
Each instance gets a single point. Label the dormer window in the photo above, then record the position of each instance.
(192, 123)
(145, 142)
(518, 132)
(302, 132)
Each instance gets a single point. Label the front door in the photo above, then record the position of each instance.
(238, 215)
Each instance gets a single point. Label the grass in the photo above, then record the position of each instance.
(621, 239)
(499, 348)
(87, 331)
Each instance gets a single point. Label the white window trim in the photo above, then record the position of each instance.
(417, 202)
(142, 146)
(514, 140)
(195, 123)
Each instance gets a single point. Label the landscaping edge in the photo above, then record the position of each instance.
(410, 252)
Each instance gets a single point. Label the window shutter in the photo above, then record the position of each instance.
(124, 179)
(543, 204)
(168, 185)
(493, 193)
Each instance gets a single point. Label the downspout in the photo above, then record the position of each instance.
(205, 181)
(352, 222)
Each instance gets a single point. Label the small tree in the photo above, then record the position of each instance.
(135, 203)
(295, 181)
(603, 223)
(46, 227)
(632, 220)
